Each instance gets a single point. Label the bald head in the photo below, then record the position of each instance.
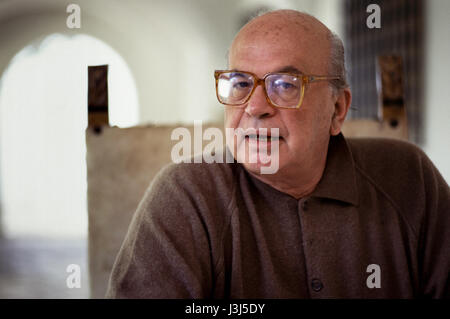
(275, 23)
(297, 30)
(281, 28)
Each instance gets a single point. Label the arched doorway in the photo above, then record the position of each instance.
(43, 117)
(43, 112)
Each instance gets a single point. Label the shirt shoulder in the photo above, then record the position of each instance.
(402, 173)
(378, 155)
(206, 190)
(197, 178)
(393, 166)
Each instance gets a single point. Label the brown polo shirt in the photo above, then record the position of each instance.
(376, 226)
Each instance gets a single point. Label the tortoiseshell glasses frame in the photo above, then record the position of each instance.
(305, 80)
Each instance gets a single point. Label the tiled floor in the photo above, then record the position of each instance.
(36, 268)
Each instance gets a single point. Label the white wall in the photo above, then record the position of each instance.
(437, 81)
(156, 38)
(167, 44)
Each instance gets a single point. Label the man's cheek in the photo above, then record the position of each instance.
(233, 116)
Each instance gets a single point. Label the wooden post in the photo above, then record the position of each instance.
(391, 102)
(98, 97)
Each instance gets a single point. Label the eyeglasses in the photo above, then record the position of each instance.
(282, 89)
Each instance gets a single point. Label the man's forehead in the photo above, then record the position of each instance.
(278, 44)
(282, 69)
(282, 35)
(272, 56)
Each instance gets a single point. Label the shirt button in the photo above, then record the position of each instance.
(316, 285)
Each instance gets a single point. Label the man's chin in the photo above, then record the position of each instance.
(254, 168)
(259, 160)
(265, 165)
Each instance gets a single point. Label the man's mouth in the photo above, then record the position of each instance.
(262, 138)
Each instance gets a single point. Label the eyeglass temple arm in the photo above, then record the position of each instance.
(313, 78)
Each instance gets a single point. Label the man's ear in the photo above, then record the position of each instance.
(341, 107)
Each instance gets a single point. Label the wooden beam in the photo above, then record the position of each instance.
(391, 101)
(98, 97)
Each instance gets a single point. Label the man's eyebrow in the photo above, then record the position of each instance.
(289, 69)
(236, 72)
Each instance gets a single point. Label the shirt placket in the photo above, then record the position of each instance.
(315, 280)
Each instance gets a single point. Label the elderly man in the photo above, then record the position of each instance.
(340, 218)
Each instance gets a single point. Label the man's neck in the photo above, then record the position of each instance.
(297, 185)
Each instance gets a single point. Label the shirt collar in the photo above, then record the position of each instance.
(339, 178)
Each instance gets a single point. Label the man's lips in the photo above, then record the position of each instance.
(262, 141)
(264, 138)
(262, 134)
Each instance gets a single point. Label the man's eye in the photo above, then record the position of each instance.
(241, 85)
(284, 85)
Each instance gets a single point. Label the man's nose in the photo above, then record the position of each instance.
(258, 106)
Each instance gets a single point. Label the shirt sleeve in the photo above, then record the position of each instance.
(167, 252)
(435, 234)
